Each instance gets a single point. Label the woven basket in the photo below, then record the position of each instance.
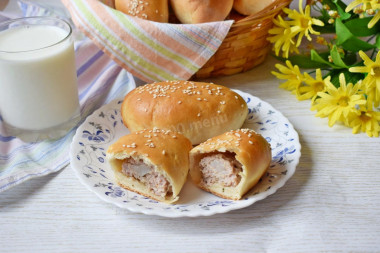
(245, 45)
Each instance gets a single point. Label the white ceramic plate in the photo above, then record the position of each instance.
(104, 126)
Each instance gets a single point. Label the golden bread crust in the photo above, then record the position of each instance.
(250, 7)
(201, 11)
(198, 110)
(166, 150)
(154, 10)
(252, 151)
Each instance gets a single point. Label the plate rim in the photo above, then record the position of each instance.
(193, 213)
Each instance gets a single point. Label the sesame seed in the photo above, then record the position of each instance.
(236, 97)
(174, 137)
(219, 111)
(199, 99)
(163, 152)
(179, 102)
(242, 105)
(250, 142)
(222, 102)
(199, 114)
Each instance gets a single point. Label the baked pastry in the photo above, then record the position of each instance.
(249, 7)
(110, 3)
(154, 10)
(201, 11)
(198, 110)
(153, 163)
(229, 165)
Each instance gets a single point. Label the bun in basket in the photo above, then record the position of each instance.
(201, 11)
(229, 165)
(249, 7)
(154, 10)
(153, 163)
(197, 110)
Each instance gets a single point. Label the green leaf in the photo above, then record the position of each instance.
(350, 77)
(377, 43)
(342, 32)
(305, 62)
(337, 59)
(347, 40)
(316, 57)
(355, 45)
(359, 27)
(350, 59)
(340, 6)
(327, 28)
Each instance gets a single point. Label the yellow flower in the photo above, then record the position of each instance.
(372, 81)
(337, 103)
(370, 6)
(290, 73)
(302, 23)
(366, 121)
(312, 86)
(283, 38)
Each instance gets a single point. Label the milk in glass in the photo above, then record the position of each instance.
(38, 82)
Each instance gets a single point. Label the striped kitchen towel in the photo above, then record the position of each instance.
(100, 81)
(149, 50)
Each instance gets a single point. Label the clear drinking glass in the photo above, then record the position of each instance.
(38, 81)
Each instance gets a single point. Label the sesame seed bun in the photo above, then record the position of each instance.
(198, 110)
(166, 151)
(201, 11)
(250, 149)
(154, 10)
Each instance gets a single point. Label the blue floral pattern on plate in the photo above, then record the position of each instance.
(104, 126)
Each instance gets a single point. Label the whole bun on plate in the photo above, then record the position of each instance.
(198, 110)
(229, 165)
(154, 10)
(201, 11)
(249, 7)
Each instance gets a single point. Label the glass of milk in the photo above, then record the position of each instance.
(38, 81)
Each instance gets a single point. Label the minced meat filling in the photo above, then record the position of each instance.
(145, 173)
(220, 168)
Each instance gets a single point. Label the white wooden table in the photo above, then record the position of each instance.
(331, 204)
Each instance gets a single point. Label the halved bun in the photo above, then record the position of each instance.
(198, 110)
(143, 160)
(244, 153)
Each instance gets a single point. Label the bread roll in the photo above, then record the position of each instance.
(110, 3)
(229, 165)
(154, 10)
(201, 11)
(197, 110)
(249, 7)
(153, 163)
